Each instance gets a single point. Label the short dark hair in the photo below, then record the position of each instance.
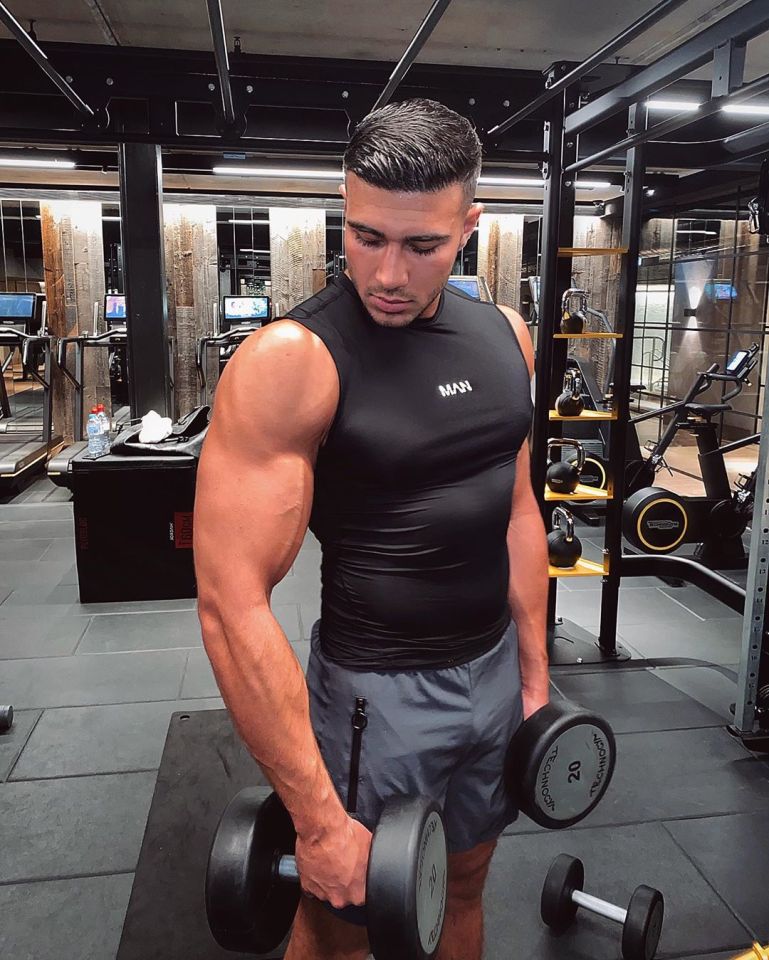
(415, 146)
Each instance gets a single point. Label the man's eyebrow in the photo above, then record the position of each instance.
(422, 238)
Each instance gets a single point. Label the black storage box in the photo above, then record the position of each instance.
(133, 527)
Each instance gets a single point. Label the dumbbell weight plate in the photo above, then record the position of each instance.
(406, 881)
(559, 764)
(6, 718)
(557, 909)
(248, 909)
(643, 925)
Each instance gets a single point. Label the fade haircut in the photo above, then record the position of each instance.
(415, 146)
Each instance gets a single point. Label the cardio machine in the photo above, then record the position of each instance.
(658, 521)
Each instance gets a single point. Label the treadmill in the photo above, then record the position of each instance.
(26, 418)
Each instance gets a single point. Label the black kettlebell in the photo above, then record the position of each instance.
(563, 548)
(563, 475)
(570, 402)
(573, 321)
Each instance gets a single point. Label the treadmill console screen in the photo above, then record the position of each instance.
(238, 309)
(17, 306)
(468, 285)
(114, 306)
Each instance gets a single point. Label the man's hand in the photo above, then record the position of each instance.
(332, 865)
(534, 698)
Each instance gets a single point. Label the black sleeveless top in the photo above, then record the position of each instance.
(413, 485)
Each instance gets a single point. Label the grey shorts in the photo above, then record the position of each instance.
(437, 733)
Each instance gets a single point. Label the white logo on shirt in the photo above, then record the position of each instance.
(450, 389)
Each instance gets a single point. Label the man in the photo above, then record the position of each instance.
(391, 413)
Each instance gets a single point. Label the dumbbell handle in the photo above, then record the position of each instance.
(287, 868)
(601, 907)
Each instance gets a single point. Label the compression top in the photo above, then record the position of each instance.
(413, 485)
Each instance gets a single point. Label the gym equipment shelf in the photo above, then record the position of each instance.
(582, 568)
(590, 251)
(583, 492)
(586, 415)
(590, 335)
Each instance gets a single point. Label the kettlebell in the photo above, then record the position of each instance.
(570, 402)
(563, 475)
(573, 321)
(563, 548)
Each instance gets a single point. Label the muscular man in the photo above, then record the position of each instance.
(389, 412)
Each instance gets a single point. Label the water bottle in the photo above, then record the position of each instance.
(93, 430)
(104, 422)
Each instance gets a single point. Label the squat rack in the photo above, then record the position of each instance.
(570, 114)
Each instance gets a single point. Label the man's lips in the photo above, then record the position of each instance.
(389, 306)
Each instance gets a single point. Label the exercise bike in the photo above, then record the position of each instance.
(658, 521)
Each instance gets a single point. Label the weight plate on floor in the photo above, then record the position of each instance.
(556, 907)
(643, 924)
(560, 763)
(248, 908)
(407, 880)
(6, 718)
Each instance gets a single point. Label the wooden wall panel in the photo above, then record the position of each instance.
(297, 248)
(73, 260)
(500, 244)
(193, 287)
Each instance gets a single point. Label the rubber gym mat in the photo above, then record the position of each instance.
(616, 861)
(635, 701)
(732, 853)
(204, 765)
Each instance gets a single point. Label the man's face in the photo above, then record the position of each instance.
(400, 247)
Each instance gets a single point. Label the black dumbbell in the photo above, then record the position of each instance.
(252, 888)
(563, 547)
(563, 476)
(559, 764)
(562, 896)
(6, 718)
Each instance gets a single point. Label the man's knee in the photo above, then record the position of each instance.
(468, 871)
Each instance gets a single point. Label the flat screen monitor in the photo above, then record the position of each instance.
(114, 306)
(469, 285)
(17, 307)
(244, 309)
(720, 290)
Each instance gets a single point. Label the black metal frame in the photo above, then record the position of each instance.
(724, 44)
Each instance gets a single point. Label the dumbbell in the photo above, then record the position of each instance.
(559, 764)
(6, 718)
(562, 896)
(252, 882)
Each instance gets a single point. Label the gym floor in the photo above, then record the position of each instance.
(95, 686)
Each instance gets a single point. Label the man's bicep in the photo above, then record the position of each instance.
(523, 500)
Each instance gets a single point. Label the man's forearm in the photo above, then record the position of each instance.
(527, 594)
(266, 694)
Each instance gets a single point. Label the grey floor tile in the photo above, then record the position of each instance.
(302, 651)
(113, 633)
(37, 631)
(301, 588)
(80, 918)
(309, 613)
(89, 679)
(70, 577)
(13, 740)
(73, 741)
(54, 829)
(199, 680)
(60, 550)
(714, 688)
(14, 512)
(30, 573)
(25, 550)
(5, 592)
(34, 529)
(311, 542)
(135, 606)
(650, 607)
(307, 563)
(700, 603)
(714, 641)
(287, 615)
